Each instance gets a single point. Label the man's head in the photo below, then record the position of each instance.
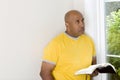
(74, 22)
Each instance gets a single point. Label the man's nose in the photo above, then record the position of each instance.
(82, 24)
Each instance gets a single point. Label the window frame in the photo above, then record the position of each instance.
(101, 34)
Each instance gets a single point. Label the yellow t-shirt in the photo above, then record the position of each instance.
(69, 55)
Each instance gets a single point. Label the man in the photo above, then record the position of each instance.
(69, 51)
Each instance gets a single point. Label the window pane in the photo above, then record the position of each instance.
(112, 15)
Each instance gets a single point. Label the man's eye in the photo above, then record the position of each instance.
(77, 21)
(83, 20)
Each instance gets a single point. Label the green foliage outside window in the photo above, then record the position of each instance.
(113, 40)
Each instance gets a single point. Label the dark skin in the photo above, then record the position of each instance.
(46, 71)
(74, 22)
(95, 73)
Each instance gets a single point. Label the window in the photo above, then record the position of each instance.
(108, 35)
(112, 32)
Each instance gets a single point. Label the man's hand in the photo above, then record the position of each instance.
(95, 73)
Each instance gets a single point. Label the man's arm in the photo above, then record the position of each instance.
(94, 61)
(46, 71)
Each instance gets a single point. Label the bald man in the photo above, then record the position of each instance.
(69, 51)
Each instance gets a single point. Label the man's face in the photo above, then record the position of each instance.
(76, 25)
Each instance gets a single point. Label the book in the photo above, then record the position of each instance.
(101, 68)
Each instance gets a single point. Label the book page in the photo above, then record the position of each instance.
(88, 70)
(104, 68)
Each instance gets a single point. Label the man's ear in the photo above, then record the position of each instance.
(66, 24)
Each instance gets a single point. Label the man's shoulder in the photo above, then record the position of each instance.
(58, 37)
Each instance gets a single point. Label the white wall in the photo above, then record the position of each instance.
(25, 27)
(80, 5)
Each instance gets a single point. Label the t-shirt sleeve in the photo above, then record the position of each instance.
(93, 48)
(50, 53)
